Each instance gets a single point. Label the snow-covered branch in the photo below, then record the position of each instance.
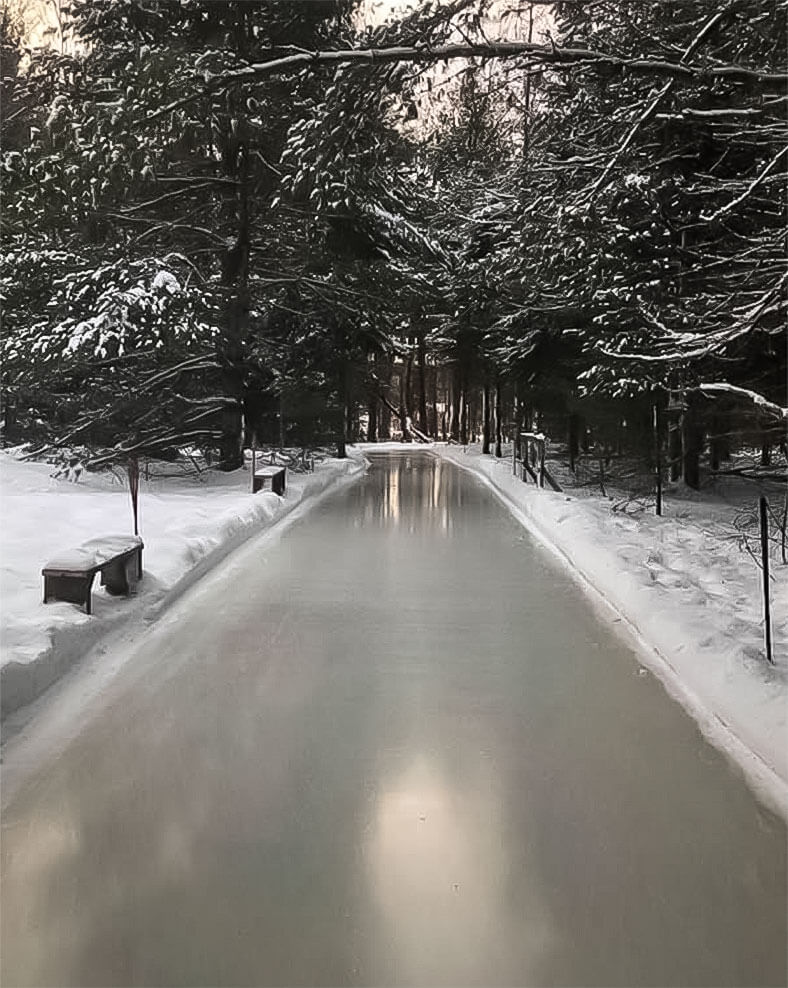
(767, 407)
(552, 55)
(750, 189)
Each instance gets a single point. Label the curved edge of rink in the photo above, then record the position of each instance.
(33, 733)
(767, 784)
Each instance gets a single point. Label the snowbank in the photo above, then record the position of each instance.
(690, 598)
(187, 524)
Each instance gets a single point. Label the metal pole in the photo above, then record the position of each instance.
(767, 617)
(658, 459)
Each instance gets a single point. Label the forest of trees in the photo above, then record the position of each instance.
(228, 221)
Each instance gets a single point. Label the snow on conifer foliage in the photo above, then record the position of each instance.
(663, 250)
(110, 311)
(117, 354)
(571, 228)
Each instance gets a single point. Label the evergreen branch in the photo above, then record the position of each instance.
(748, 191)
(651, 109)
(165, 197)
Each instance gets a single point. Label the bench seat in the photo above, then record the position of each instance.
(274, 475)
(69, 575)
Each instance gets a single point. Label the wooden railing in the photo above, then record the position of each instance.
(529, 449)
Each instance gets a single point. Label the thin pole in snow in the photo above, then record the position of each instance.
(254, 461)
(657, 458)
(767, 616)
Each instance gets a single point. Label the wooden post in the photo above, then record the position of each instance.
(541, 462)
(134, 488)
(767, 616)
(515, 444)
(254, 463)
(657, 458)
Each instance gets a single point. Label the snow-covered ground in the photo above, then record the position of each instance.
(188, 524)
(690, 596)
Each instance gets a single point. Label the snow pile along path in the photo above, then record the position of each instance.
(692, 600)
(187, 525)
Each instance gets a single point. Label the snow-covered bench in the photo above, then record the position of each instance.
(69, 576)
(275, 475)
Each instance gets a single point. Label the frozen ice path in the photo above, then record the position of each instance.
(395, 746)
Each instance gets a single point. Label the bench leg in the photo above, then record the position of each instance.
(73, 589)
(115, 578)
(120, 576)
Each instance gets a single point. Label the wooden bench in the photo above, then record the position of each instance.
(69, 576)
(275, 475)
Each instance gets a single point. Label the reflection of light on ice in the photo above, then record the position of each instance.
(436, 485)
(391, 505)
(47, 841)
(439, 874)
(49, 845)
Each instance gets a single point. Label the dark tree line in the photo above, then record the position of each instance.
(211, 235)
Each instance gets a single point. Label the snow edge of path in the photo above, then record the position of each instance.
(762, 777)
(23, 683)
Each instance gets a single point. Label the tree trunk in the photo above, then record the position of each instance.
(345, 417)
(575, 427)
(235, 279)
(674, 450)
(384, 414)
(766, 454)
(692, 447)
(434, 382)
(422, 373)
(404, 395)
(372, 428)
(354, 422)
(281, 422)
(498, 417)
(407, 408)
(454, 414)
(463, 416)
(719, 445)
(486, 418)
(231, 441)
